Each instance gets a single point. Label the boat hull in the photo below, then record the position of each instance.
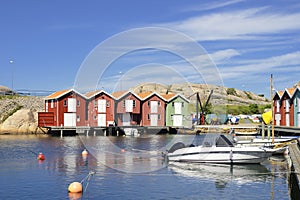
(222, 155)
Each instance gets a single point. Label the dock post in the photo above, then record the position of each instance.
(94, 132)
(269, 133)
(61, 131)
(104, 132)
(263, 130)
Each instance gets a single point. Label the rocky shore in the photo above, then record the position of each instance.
(19, 114)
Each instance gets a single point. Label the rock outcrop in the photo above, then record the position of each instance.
(18, 114)
(21, 122)
(219, 96)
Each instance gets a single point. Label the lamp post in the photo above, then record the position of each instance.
(12, 76)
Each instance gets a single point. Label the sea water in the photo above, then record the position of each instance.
(127, 168)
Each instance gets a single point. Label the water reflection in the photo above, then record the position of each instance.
(130, 155)
(222, 174)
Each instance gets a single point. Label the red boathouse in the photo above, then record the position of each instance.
(64, 108)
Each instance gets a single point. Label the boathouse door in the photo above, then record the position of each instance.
(287, 119)
(126, 119)
(153, 119)
(101, 119)
(177, 120)
(69, 119)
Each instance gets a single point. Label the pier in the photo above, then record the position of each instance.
(243, 128)
(110, 130)
(294, 152)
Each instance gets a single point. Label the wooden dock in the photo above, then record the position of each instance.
(107, 131)
(294, 151)
(226, 128)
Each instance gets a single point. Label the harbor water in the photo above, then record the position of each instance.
(128, 168)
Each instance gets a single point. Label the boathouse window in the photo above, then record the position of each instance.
(133, 103)
(158, 103)
(46, 108)
(182, 104)
(287, 105)
(78, 118)
(148, 103)
(173, 103)
(52, 103)
(78, 103)
(158, 116)
(108, 104)
(298, 103)
(124, 103)
(148, 116)
(129, 105)
(95, 117)
(277, 105)
(65, 103)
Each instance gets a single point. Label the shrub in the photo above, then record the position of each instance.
(231, 91)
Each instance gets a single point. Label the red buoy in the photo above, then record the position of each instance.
(41, 156)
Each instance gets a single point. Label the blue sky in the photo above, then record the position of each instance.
(247, 40)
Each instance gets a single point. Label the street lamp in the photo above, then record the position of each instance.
(12, 76)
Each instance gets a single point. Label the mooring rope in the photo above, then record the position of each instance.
(87, 178)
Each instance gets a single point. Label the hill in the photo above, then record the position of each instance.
(221, 95)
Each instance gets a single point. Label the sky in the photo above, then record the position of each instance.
(47, 45)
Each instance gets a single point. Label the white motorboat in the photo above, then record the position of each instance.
(280, 145)
(218, 149)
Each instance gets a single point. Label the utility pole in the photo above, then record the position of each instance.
(272, 107)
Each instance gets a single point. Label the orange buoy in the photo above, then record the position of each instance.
(41, 156)
(84, 152)
(75, 187)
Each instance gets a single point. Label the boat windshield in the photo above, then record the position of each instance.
(217, 140)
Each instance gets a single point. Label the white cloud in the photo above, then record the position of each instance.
(272, 63)
(255, 71)
(252, 23)
(220, 56)
(212, 5)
